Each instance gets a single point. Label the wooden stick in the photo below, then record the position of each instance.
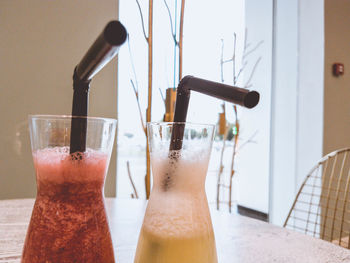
(182, 15)
(149, 108)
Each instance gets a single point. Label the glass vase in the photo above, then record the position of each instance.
(69, 221)
(177, 226)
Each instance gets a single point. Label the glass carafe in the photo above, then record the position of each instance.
(177, 227)
(69, 221)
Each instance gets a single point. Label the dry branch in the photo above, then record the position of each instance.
(222, 61)
(163, 99)
(149, 107)
(221, 167)
(132, 62)
(135, 86)
(134, 194)
(149, 40)
(234, 58)
(236, 77)
(181, 37)
(142, 21)
(250, 140)
(253, 49)
(247, 85)
(173, 33)
(138, 105)
(233, 157)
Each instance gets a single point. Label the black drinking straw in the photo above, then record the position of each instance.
(105, 47)
(243, 97)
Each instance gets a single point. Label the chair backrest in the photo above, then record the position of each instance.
(321, 207)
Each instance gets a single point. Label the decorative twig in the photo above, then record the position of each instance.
(138, 105)
(133, 195)
(132, 64)
(149, 108)
(149, 40)
(222, 61)
(244, 63)
(235, 78)
(221, 167)
(253, 49)
(173, 33)
(234, 58)
(235, 111)
(235, 149)
(135, 87)
(142, 21)
(171, 23)
(250, 140)
(233, 157)
(163, 99)
(227, 61)
(245, 44)
(181, 37)
(252, 73)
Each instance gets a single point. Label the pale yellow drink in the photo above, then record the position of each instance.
(177, 227)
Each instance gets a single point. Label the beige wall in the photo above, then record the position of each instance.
(337, 89)
(336, 99)
(41, 42)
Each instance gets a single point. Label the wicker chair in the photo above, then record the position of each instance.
(321, 207)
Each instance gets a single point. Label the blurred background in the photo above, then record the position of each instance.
(283, 49)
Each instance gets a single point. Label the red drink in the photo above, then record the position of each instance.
(69, 222)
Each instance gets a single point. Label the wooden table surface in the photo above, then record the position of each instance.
(239, 239)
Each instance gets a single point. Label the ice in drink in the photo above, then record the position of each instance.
(69, 222)
(177, 225)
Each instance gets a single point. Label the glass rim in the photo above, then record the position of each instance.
(65, 117)
(165, 123)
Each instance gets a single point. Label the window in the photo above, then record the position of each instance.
(206, 23)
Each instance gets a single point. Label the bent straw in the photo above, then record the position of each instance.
(105, 47)
(243, 97)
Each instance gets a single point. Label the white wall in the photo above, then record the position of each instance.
(253, 159)
(283, 112)
(297, 101)
(310, 109)
(41, 42)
